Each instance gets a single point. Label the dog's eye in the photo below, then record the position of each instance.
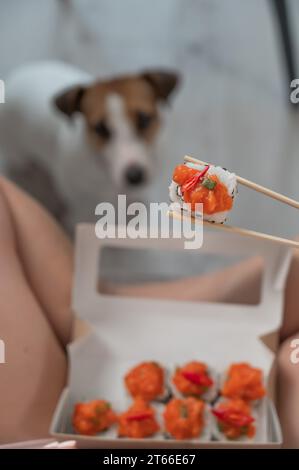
(102, 130)
(143, 120)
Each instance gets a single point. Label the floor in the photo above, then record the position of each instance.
(231, 108)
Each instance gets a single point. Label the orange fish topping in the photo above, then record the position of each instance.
(93, 417)
(192, 379)
(205, 189)
(243, 381)
(234, 418)
(138, 421)
(146, 380)
(184, 418)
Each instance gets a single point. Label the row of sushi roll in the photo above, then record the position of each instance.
(194, 407)
(149, 380)
(213, 186)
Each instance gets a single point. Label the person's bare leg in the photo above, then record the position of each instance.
(237, 283)
(288, 394)
(34, 373)
(46, 255)
(288, 372)
(290, 324)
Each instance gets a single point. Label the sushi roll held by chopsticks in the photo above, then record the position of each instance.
(210, 185)
(214, 187)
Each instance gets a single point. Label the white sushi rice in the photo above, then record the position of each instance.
(226, 178)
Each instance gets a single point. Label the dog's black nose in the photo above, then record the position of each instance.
(135, 175)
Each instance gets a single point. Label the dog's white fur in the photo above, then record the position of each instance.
(31, 126)
(125, 149)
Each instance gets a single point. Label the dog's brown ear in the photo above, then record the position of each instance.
(68, 102)
(163, 82)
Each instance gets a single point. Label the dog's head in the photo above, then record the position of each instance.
(122, 120)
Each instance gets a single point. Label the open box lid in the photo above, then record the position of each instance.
(217, 333)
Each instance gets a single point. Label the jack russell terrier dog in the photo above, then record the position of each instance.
(94, 137)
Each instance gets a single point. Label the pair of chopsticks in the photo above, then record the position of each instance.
(243, 231)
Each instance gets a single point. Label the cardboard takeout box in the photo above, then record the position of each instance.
(126, 331)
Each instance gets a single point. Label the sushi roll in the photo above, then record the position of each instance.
(147, 380)
(233, 420)
(139, 421)
(243, 381)
(184, 418)
(195, 379)
(93, 417)
(210, 185)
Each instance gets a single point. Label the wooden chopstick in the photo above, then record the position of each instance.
(254, 186)
(237, 230)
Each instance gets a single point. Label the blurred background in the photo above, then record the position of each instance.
(232, 107)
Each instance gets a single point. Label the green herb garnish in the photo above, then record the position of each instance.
(244, 429)
(220, 427)
(208, 183)
(103, 407)
(184, 411)
(95, 421)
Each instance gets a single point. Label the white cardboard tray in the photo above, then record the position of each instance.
(125, 331)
